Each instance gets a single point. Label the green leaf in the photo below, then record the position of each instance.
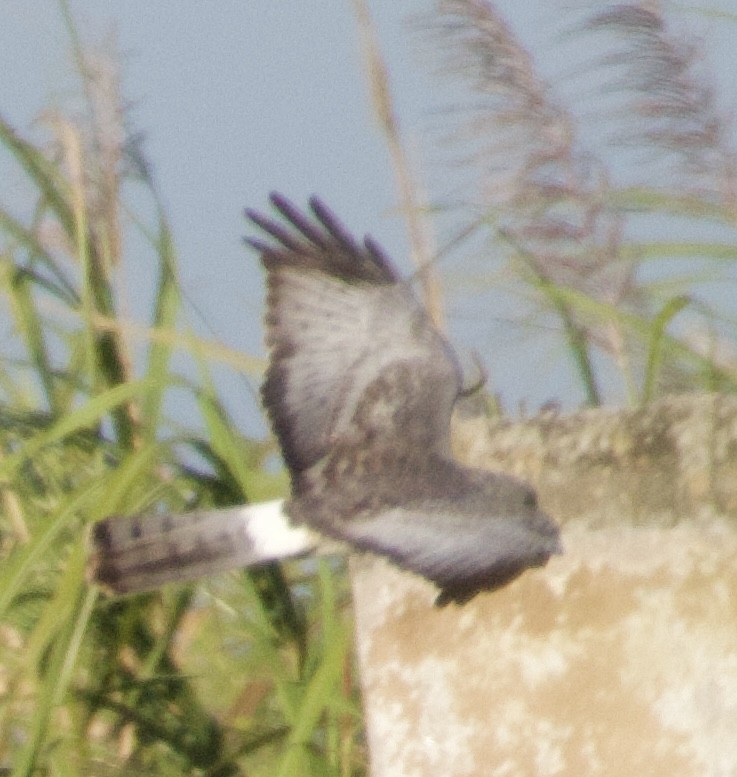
(314, 700)
(656, 351)
(168, 300)
(90, 414)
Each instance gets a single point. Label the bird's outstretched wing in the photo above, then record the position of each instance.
(357, 372)
(360, 390)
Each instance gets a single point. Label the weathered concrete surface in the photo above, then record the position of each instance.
(619, 657)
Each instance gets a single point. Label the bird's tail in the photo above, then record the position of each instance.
(140, 553)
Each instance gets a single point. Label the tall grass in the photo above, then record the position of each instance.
(248, 674)
(572, 185)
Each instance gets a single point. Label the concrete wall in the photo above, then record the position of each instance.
(618, 658)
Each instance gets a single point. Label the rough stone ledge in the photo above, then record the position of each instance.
(672, 460)
(619, 657)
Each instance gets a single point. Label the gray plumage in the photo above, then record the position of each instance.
(359, 390)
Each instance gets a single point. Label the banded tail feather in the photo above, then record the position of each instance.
(132, 554)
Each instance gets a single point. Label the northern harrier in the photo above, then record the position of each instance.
(359, 391)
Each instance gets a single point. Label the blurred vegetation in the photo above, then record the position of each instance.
(605, 200)
(252, 673)
(249, 674)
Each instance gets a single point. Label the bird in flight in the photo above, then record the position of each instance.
(359, 391)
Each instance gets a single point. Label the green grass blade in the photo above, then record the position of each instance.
(24, 558)
(44, 174)
(65, 649)
(659, 250)
(63, 288)
(315, 699)
(225, 440)
(168, 300)
(31, 327)
(656, 350)
(643, 199)
(126, 487)
(90, 414)
(575, 336)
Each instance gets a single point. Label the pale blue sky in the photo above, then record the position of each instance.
(238, 98)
